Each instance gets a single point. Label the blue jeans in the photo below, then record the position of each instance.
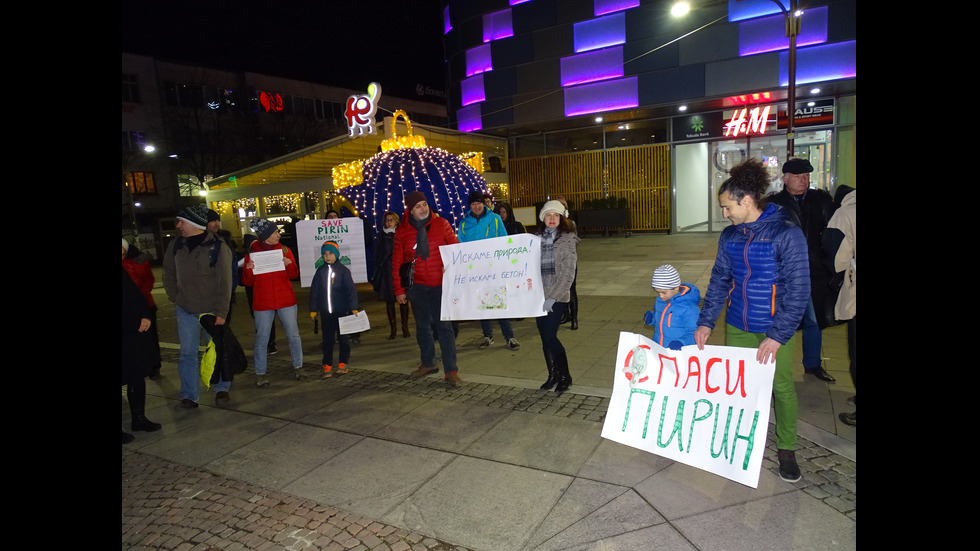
(505, 328)
(427, 308)
(812, 338)
(190, 334)
(263, 325)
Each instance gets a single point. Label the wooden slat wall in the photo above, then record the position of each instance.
(641, 174)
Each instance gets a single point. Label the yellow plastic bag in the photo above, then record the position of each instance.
(207, 363)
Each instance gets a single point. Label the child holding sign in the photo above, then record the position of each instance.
(675, 312)
(332, 296)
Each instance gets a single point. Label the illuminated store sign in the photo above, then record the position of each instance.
(360, 111)
(747, 122)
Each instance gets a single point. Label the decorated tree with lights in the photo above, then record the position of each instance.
(405, 165)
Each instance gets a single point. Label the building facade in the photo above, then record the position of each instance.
(204, 122)
(621, 98)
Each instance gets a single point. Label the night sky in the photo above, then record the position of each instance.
(343, 43)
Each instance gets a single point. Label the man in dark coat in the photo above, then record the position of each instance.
(810, 209)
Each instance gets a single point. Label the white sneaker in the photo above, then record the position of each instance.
(487, 341)
(513, 344)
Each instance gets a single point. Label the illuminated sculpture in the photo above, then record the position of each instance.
(406, 164)
(361, 109)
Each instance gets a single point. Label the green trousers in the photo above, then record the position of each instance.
(783, 388)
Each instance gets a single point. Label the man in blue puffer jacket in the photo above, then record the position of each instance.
(762, 274)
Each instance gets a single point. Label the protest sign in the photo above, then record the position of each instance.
(492, 278)
(348, 233)
(705, 408)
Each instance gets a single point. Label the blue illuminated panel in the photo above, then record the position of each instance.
(478, 60)
(740, 10)
(601, 96)
(468, 119)
(446, 25)
(600, 33)
(768, 34)
(497, 25)
(592, 66)
(818, 63)
(602, 7)
(471, 90)
(516, 2)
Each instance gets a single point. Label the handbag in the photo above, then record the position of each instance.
(407, 274)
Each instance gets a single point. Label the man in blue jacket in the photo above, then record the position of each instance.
(762, 273)
(481, 223)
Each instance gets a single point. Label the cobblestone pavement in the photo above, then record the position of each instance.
(166, 505)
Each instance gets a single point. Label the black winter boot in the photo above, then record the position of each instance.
(390, 307)
(564, 378)
(573, 313)
(404, 310)
(552, 370)
(136, 394)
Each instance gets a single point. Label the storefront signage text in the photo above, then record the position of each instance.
(361, 109)
(748, 122)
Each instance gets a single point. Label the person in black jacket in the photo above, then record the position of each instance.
(381, 278)
(137, 354)
(810, 209)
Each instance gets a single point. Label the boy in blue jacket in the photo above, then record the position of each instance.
(675, 313)
(332, 296)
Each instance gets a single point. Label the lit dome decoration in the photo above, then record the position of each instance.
(406, 164)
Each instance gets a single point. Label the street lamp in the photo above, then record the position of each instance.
(792, 16)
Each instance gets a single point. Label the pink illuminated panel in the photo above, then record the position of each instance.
(601, 96)
(478, 60)
(497, 25)
(592, 66)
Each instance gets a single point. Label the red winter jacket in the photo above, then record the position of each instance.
(272, 290)
(428, 271)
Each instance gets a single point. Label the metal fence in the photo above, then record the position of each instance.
(639, 174)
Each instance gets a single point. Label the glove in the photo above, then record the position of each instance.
(548, 303)
(312, 315)
(675, 345)
(648, 318)
(354, 312)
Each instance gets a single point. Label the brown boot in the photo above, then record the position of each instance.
(422, 371)
(404, 309)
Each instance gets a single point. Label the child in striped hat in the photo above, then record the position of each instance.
(675, 313)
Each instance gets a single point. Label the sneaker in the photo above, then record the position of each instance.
(185, 404)
(487, 341)
(852, 400)
(788, 469)
(342, 369)
(261, 380)
(300, 374)
(513, 344)
(849, 418)
(327, 371)
(453, 378)
(272, 349)
(222, 399)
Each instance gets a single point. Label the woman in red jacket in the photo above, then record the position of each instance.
(272, 294)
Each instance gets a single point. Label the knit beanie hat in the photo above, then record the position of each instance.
(552, 206)
(330, 246)
(413, 199)
(665, 277)
(263, 228)
(476, 196)
(213, 216)
(196, 216)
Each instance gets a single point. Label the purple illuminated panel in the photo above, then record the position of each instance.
(600, 33)
(497, 25)
(446, 25)
(601, 96)
(592, 66)
(471, 90)
(740, 10)
(468, 119)
(768, 34)
(516, 2)
(602, 7)
(819, 63)
(478, 60)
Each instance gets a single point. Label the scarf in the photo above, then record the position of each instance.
(421, 236)
(548, 253)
